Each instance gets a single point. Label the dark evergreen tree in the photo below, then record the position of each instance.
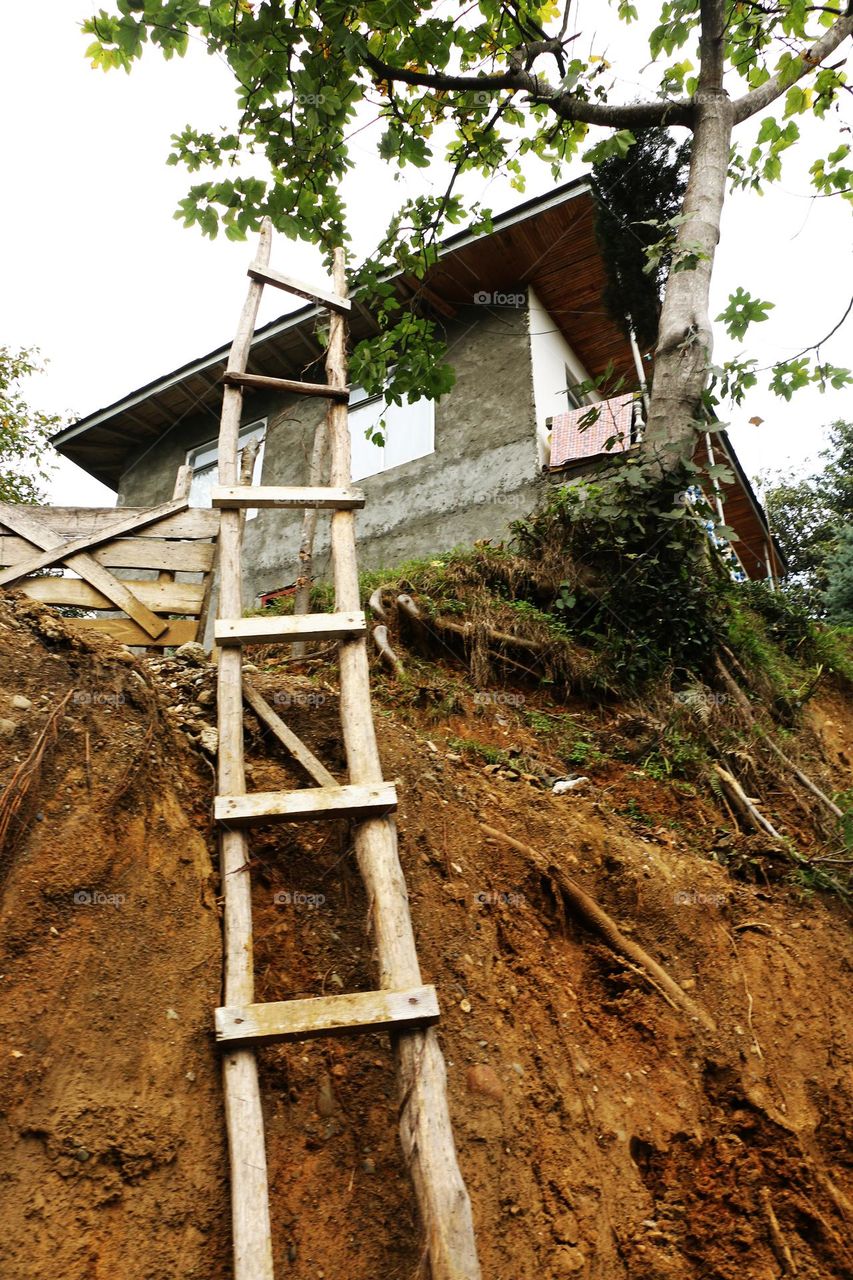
(637, 193)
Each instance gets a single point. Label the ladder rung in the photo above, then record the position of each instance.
(331, 300)
(374, 801)
(303, 626)
(260, 382)
(327, 1015)
(275, 496)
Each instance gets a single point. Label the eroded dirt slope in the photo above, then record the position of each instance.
(112, 1159)
(603, 1135)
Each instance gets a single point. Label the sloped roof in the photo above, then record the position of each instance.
(548, 242)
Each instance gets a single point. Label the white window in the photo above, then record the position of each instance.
(205, 464)
(408, 433)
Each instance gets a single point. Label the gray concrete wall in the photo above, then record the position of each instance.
(483, 474)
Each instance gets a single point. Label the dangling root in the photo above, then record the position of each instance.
(380, 637)
(597, 919)
(741, 700)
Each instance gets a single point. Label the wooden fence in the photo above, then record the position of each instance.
(154, 564)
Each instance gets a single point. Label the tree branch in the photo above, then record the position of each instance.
(810, 60)
(566, 105)
(711, 46)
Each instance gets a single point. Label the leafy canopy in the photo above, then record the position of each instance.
(485, 87)
(24, 432)
(807, 514)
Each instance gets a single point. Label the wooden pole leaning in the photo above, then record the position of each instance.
(250, 1218)
(425, 1129)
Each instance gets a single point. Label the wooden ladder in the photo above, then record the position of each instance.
(403, 1005)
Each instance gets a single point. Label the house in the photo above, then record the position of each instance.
(525, 324)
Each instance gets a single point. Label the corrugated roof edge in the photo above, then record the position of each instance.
(459, 239)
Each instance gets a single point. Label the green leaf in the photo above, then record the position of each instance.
(742, 311)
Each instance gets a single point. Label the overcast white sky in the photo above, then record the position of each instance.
(115, 292)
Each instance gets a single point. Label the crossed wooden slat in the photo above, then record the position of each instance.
(73, 554)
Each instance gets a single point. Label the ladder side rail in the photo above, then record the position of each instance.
(425, 1129)
(251, 1232)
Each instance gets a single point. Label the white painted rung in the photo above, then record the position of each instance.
(327, 1015)
(303, 626)
(279, 496)
(349, 801)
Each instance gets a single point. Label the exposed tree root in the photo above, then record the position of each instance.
(27, 773)
(778, 1243)
(597, 918)
(380, 637)
(742, 702)
(742, 803)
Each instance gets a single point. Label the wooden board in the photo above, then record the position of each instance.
(28, 526)
(160, 597)
(56, 548)
(260, 382)
(302, 806)
(74, 522)
(244, 1119)
(311, 626)
(327, 1015)
(128, 553)
(125, 631)
(294, 745)
(265, 275)
(323, 499)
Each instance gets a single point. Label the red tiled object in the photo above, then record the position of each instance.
(569, 442)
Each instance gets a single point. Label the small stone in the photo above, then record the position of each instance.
(172, 1015)
(81, 1154)
(569, 1261)
(193, 652)
(483, 1079)
(54, 931)
(368, 1165)
(7, 727)
(250, 667)
(209, 739)
(566, 1228)
(20, 703)
(16, 1053)
(190, 1076)
(326, 1101)
(465, 1006)
(335, 980)
(206, 698)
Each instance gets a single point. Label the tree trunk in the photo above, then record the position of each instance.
(685, 338)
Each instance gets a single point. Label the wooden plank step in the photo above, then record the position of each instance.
(325, 499)
(304, 626)
(327, 1015)
(260, 382)
(374, 801)
(265, 275)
